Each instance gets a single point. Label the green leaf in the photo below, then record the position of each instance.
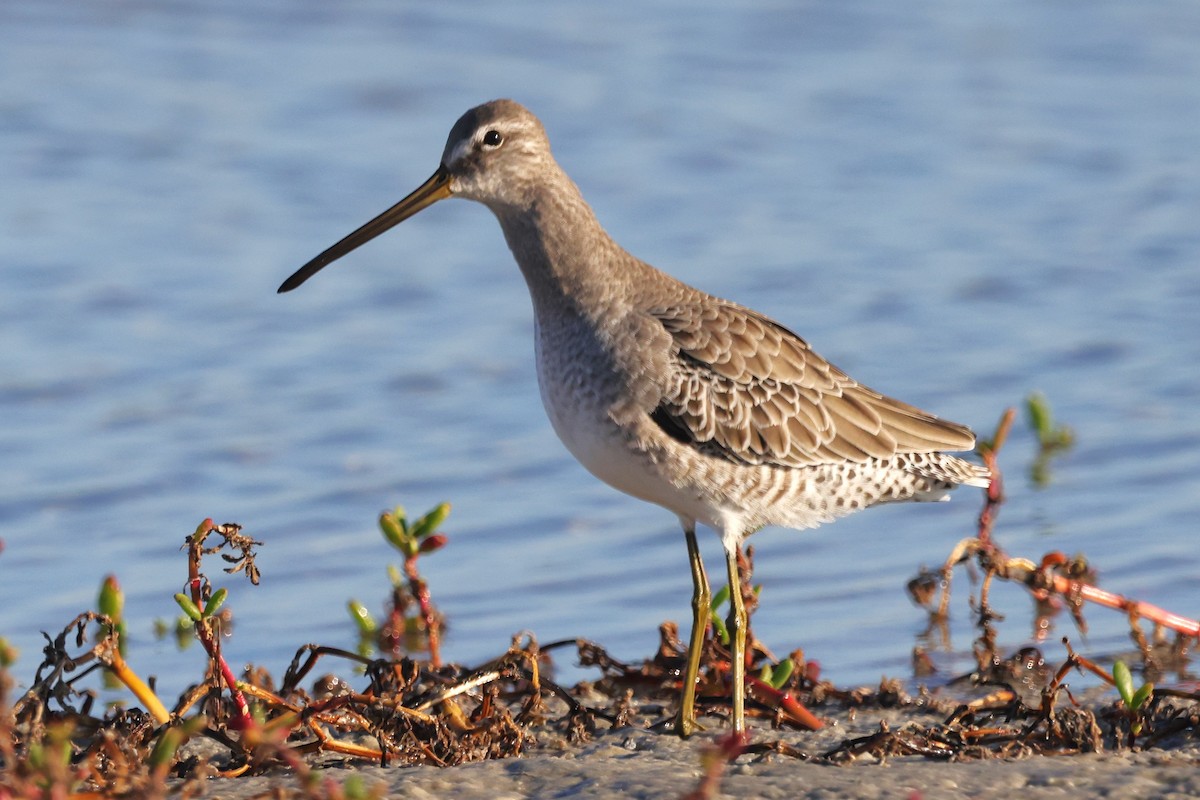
(362, 618)
(216, 601)
(430, 522)
(8, 653)
(111, 602)
(720, 630)
(1141, 696)
(355, 788)
(188, 606)
(164, 749)
(720, 598)
(1124, 682)
(395, 531)
(1040, 416)
(783, 670)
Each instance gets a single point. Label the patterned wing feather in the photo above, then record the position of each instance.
(748, 389)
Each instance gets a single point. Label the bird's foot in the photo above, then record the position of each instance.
(686, 725)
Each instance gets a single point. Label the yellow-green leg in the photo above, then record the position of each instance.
(685, 721)
(737, 623)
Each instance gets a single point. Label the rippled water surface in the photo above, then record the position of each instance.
(956, 203)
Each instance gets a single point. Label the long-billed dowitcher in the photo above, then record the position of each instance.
(695, 403)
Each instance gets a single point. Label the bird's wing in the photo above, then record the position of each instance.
(746, 388)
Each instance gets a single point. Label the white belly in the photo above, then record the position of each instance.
(581, 394)
(582, 421)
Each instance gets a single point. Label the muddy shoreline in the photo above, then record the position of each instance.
(637, 763)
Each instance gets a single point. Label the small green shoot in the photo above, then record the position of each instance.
(180, 628)
(162, 756)
(362, 618)
(1134, 699)
(1053, 438)
(779, 674)
(111, 603)
(355, 788)
(50, 760)
(413, 538)
(8, 653)
(419, 536)
(718, 621)
(1041, 420)
(211, 607)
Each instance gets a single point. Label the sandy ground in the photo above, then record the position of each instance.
(635, 763)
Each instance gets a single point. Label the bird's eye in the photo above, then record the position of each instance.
(492, 139)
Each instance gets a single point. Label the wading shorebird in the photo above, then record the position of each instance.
(682, 399)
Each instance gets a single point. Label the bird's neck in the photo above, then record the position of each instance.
(568, 260)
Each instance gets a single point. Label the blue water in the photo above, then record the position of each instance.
(956, 203)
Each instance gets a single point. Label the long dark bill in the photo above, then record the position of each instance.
(428, 193)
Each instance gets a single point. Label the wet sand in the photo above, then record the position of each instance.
(636, 763)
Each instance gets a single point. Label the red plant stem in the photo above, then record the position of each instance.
(420, 590)
(239, 700)
(994, 495)
(1069, 588)
(1043, 581)
(204, 627)
(776, 698)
